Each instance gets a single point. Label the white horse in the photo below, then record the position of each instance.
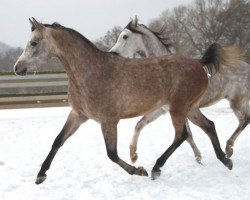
(233, 83)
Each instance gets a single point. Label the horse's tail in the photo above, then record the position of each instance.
(215, 55)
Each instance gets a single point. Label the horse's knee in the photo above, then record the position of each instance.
(185, 134)
(246, 122)
(180, 136)
(190, 139)
(211, 124)
(58, 142)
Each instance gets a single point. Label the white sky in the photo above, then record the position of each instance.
(92, 18)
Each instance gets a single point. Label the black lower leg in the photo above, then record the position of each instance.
(73, 122)
(41, 176)
(161, 161)
(216, 145)
(109, 131)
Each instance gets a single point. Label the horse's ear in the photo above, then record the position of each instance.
(32, 25)
(135, 21)
(35, 24)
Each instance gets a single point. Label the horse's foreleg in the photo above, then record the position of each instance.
(242, 112)
(190, 140)
(72, 124)
(139, 126)
(208, 127)
(109, 130)
(181, 134)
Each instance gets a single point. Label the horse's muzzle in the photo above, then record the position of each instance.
(20, 70)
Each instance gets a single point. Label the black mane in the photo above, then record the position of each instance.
(158, 35)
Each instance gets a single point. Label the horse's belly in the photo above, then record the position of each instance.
(117, 105)
(139, 108)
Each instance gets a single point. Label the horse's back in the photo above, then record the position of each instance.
(175, 78)
(238, 85)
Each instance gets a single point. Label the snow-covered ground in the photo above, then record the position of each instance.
(82, 171)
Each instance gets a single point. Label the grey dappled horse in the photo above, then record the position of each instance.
(106, 87)
(231, 82)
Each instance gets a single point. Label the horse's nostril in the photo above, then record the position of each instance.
(20, 71)
(15, 69)
(24, 72)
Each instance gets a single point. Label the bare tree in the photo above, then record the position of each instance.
(201, 24)
(237, 24)
(193, 28)
(106, 42)
(170, 29)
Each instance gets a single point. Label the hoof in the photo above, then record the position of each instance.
(155, 174)
(141, 171)
(40, 179)
(229, 164)
(133, 158)
(198, 160)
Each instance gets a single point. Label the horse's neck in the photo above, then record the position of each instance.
(155, 47)
(79, 57)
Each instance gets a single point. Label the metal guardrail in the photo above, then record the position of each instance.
(48, 90)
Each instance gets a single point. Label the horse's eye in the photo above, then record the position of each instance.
(33, 44)
(125, 37)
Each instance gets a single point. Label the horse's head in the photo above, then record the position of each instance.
(137, 40)
(37, 50)
(130, 41)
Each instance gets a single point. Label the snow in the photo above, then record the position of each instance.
(82, 170)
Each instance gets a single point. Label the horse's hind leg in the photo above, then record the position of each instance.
(109, 130)
(190, 140)
(139, 126)
(181, 134)
(208, 127)
(72, 124)
(242, 112)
